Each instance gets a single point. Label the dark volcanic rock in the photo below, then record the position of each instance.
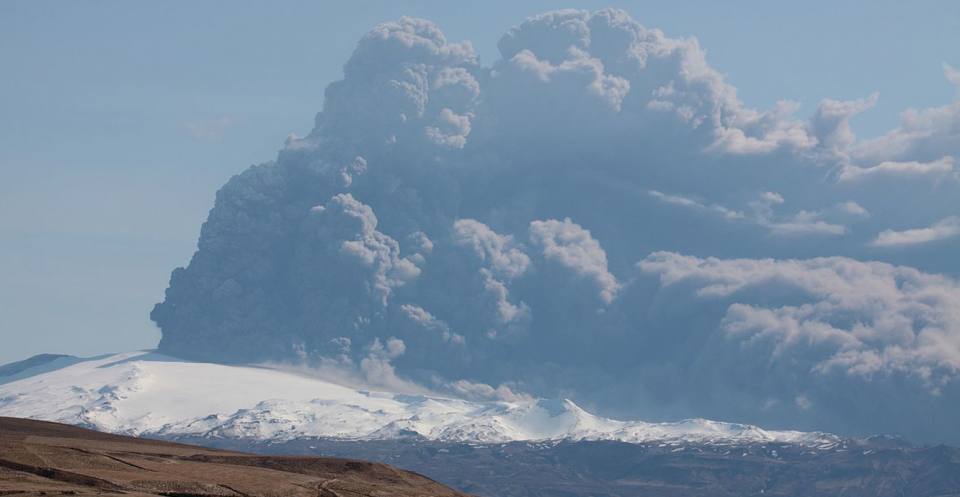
(876, 467)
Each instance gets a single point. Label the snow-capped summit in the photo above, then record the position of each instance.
(144, 393)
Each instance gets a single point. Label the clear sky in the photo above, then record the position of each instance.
(119, 120)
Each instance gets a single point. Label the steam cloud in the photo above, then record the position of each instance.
(595, 215)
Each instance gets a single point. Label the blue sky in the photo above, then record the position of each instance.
(119, 120)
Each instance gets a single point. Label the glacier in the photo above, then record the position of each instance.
(147, 394)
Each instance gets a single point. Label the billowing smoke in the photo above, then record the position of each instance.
(595, 215)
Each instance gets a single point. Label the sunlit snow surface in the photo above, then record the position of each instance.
(144, 393)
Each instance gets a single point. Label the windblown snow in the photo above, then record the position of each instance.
(143, 393)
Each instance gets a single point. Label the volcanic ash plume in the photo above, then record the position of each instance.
(595, 215)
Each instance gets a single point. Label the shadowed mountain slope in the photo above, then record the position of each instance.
(874, 467)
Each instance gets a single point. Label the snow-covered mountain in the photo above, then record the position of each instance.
(144, 393)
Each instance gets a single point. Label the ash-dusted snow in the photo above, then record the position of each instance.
(144, 393)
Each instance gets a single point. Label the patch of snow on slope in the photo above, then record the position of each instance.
(143, 393)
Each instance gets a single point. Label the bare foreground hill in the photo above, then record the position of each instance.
(41, 458)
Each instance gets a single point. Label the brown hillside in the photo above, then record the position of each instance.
(40, 458)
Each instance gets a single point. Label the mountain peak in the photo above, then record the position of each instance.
(148, 394)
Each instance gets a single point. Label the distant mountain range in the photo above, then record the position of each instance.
(878, 467)
(142, 393)
(520, 447)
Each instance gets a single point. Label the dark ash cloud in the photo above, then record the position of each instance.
(594, 215)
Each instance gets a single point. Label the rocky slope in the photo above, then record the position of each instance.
(877, 467)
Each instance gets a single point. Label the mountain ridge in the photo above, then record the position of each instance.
(143, 393)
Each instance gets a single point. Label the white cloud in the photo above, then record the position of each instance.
(831, 123)
(852, 208)
(569, 245)
(952, 74)
(451, 130)
(423, 318)
(772, 198)
(501, 259)
(923, 135)
(209, 129)
(805, 223)
(505, 257)
(344, 218)
(481, 391)
(376, 367)
(798, 224)
(580, 72)
(936, 170)
(941, 230)
(863, 318)
(689, 202)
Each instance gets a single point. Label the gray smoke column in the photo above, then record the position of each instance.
(595, 215)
